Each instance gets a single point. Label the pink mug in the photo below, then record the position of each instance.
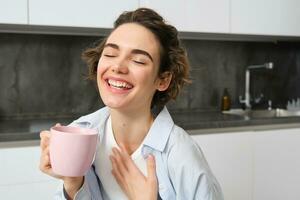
(72, 150)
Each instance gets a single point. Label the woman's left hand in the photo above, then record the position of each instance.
(132, 181)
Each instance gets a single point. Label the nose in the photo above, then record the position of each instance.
(120, 66)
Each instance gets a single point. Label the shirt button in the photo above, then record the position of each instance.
(161, 187)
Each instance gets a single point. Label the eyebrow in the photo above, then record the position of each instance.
(133, 51)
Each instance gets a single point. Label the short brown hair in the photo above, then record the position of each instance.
(173, 57)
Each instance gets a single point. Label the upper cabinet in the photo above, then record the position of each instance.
(255, 17)
(290, 17)
(77, 13)
(249, 17)
(265, 17)
(13, 11)
(193, 15)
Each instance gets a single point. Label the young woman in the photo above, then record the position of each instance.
(142, 154)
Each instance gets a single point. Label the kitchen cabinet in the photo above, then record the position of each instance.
(277, 164)
(21, 177)
(76, 13)
(193, 15)
(13, 12)
(267, 17)
(290, 18)
(254, 165)
(255, 17)
(230, 156)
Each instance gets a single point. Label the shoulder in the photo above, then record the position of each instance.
(183, 150)
(179, 138)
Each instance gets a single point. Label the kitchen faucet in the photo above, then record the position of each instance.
(246, 101)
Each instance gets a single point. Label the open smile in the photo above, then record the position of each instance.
(118, 84)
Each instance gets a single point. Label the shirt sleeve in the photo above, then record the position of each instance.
(190, 174)
(59, 194)
(82, 194)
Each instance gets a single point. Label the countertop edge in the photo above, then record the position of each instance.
(200, 131)
(244, 128)
(19, 144)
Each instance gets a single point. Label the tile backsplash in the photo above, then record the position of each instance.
(43, 75)
(221, 64)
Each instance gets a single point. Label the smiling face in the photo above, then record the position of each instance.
(127, 69)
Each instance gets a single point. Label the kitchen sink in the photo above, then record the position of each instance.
(278, 112)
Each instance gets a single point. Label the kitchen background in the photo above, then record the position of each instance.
(43, 75)
(254, 157)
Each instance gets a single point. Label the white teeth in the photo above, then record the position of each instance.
(119, 84)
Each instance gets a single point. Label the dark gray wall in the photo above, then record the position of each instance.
(43, 75)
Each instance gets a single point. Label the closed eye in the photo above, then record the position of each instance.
(108, 55)
(139, 62)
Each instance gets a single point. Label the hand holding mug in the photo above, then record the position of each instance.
(45, 164)
(67, 153)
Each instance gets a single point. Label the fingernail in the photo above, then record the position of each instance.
(150, 156)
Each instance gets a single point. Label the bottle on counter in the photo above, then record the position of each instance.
(226, 101)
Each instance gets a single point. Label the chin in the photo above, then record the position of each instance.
(114, 103)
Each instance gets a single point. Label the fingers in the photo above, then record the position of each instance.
(45, 161)
(45, 165)
(128, 162)
(116, 172)
(130, 178)
(123, 149)
(119, 160)
(151, 168)
(119, 170)
(45, 137)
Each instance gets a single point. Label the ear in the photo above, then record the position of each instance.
(164, 81)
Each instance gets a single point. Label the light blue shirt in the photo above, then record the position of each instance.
(181, 168)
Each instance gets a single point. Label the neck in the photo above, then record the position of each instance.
(130, 128)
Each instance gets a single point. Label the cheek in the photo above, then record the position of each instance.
(146, 77)
(98, 72)
(100, 68)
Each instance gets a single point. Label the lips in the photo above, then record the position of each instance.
(119, 84)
